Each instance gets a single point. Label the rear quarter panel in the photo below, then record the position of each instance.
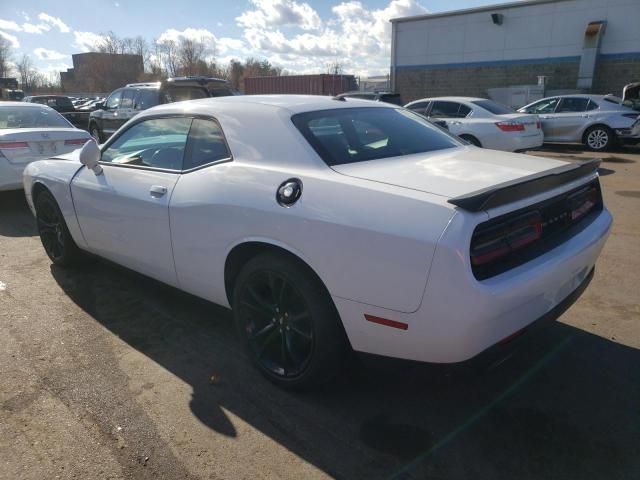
(367, 241)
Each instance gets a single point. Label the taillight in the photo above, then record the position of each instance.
(510, 126)
(583, 202)
(14, 145)
(76, 141)
(499, 240)
(538, 125)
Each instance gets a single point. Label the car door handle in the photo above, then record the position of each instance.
(157, 191)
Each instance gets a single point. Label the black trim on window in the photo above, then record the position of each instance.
(193, 116)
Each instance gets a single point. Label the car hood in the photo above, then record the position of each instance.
(451, 172)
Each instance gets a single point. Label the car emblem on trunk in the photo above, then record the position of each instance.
(45, 135)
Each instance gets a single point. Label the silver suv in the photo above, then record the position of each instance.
(597, 121)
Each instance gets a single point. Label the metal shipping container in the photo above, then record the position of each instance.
(322, 84)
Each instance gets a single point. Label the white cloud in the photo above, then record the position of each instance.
(277, 13)
(54, 21)
(357, 37)
(35, 28)
(9, 25)
(226, 44)
(13, 40)
(45, 54)
(196, 34)
(86, 41)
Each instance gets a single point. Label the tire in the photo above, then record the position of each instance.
(53, 231)
(94, 131)
(599, 138)
(299, 354)
(472, 140)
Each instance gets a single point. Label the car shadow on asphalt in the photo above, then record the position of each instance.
(15, 217)
(562, 405)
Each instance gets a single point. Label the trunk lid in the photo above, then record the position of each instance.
(529, 121)
(24, 145)
(449, 173)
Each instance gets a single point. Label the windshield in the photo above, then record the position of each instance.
(494, 107)
(350, 135)
(31, 117)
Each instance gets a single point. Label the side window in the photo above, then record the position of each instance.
(127, 98)
(206, 144)
(547, 105)
(448, 110)
(114, 100)
(464, 111)
(419, 107)
(573, 104)
(147, 98)
(592, 105)
(158, 143)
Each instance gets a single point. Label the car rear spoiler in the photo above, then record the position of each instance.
(524, 187)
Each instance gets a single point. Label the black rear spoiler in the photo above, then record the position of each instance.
(524, 187)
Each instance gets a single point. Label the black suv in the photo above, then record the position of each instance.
(124, 103)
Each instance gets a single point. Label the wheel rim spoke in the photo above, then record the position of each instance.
(281, 338)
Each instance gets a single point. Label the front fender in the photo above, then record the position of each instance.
(55, 175)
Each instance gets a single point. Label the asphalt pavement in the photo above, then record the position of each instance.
(106, 374)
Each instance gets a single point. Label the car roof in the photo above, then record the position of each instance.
(292, 103)
(450, 99)
(24, 104)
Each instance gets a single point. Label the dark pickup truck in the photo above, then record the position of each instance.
(126, 102)
(63, 106)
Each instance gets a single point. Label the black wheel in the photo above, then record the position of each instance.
(94, 131)
(54, 234)
(472, 140)
(287, 322)
(598, 138)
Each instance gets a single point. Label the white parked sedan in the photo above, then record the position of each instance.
(326, 224)
(483, 123)
(30, 132)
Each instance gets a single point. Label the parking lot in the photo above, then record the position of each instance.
(107, 374)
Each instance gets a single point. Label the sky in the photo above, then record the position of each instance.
(299, 36)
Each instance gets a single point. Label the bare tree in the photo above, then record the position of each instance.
(141, 47)
(110, 43)
(5, 57)
(28, 74)
(335, 67)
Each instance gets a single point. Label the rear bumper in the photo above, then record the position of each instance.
(528, 142)
(461, 317)
(10, 175)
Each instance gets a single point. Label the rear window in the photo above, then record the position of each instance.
(31, 117)
(494, 107)
(349, 135)
(179, 94)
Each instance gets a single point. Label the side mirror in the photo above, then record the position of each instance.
(90, 156)
(99, 106)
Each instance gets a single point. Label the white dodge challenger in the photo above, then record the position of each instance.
(327, 224)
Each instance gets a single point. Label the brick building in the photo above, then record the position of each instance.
(581, 45)
(101, 72)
